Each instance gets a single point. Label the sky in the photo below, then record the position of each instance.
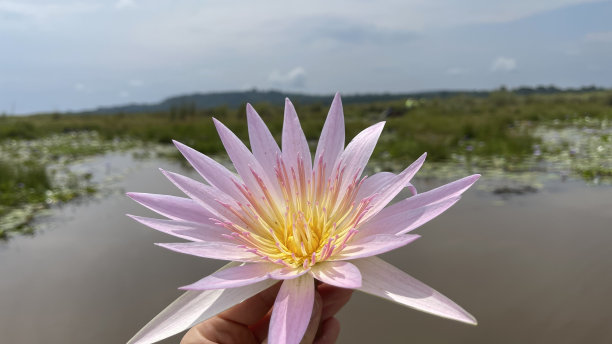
(67, 55)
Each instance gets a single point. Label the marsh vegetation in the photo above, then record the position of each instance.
(505, 135)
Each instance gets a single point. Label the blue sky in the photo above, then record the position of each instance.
(58, 55)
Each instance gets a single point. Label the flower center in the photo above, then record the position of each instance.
(315, 217)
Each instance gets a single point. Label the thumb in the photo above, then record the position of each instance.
(315, 319)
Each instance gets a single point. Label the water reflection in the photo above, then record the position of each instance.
(534, 269)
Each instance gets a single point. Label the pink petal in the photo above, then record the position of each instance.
(292, 311)
(377, 182)
(393, 187)
(412, 189)
(403, 222)
(373, 183)
(172, 207)
(397, 218)
(288, 273)
(206, 196)
(264, 147)
(294, 141)
(194, 307)
(186, 230)
(331, 141)
(244, 162)
(354, 159)
(213, 172)
(233, 277)
(373, 245)
(441, 193)
(338, 273)
(384, 280)
(214, 250)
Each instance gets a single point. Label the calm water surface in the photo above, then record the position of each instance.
(533, 268)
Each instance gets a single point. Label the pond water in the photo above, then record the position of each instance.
(533, 268)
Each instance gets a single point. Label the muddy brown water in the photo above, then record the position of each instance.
(533, 268)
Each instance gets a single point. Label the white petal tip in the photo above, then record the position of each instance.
(471, 179)
(468, 319)
(459, 315)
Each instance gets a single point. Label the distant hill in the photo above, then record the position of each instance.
(239, 98)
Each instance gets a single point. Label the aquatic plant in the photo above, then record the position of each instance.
(286, 217)
(37, 173)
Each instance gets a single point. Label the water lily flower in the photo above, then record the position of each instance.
(287, 217)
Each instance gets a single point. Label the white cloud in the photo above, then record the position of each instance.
(136, 83)
(294, 78)
(257, 25)
(503, 64)
(594, 67)
(456, 71)
(572, 52)
(124, 94)
(45, 10)
(404, 45)
(82, 88)
(486, 11)
(602, 37)
(122, 4)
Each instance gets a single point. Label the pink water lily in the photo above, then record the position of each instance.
(285, 216)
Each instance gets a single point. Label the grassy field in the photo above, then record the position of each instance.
(503, 128)
(499, 124)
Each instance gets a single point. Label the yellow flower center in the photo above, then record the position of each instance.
(315, 218)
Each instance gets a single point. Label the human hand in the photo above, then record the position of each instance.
(248, 321)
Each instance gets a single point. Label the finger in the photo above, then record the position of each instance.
(250, 311)
(334, 299)
(315, 320)
(260, 330)
(328, 332)
(195, 335)
(218, 330)
(230, 326)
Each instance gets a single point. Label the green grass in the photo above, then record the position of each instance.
(23, 183)
(498, 125)
(500, 129)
